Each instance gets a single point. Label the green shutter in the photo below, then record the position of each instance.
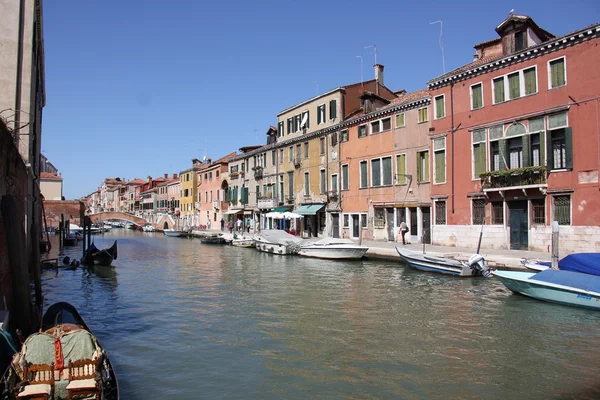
(440, 166)
(479, 156)
(439, 107)
(401, 161)
(526, 145)
(387, 171)
(530, 81)
(557, 72)
(549, 153)
(344, 177)
(363, 175)
(332, 109)
(542, 148)
(569, 147)
(514, 86)
(503, 153)
(419, 162)
(426, 166)
(477, 100)
(499, 90)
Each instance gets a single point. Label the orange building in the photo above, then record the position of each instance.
(211, 191)
(384, 168)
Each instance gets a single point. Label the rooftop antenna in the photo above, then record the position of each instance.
(361, 69)
(441, 43)
(317, 83)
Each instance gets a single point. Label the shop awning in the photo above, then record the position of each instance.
(309, 209)
(281, 209)
(247, 212)
(232, 212)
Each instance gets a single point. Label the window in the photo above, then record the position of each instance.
(305, 122)
(478, 211)
(423, 166)
(323, 181)
(515, 153)
(290, 124)
(520, 41)
(280, 156)
(557, 73)
(387, 170)
(346, 220)
(334, 183)
(381, 125)
(280, 129)
(306, 184)
(297, 122)
(334, 139)
(476, 96)
(305, 149)
(378, 218)
(516, 84)
(321, 114)
(562, 209)
(345, 177)
(291, 190)
(538, 208)
(291, 154)
(439, 153)
(376, 172)
(363, 220)
(440, 212)
(401, 169)
(440, 107)
(298, 152)
(497, 213)
(344, 136)
(332, 109)
(273, 157)
(362, 131)
(479, 152)
(422, 115)
(400, 123)
(321, 146)
(560, 142)
(363, 174)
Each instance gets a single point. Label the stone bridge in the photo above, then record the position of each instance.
(117, 215)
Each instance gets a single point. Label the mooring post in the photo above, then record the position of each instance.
(88, 223)
(555, 245)
(61, 232)
(84, 234)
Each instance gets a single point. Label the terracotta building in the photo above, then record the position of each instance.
(212, 187)
(519, 131)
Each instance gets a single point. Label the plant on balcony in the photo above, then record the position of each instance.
(535, 175)
(232, 202)
(234, 174)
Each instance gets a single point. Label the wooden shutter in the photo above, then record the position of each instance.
(503, 153)
(426, 166)
(530, 81)
(440, 166)
(387, 171)
(569, 147)
(344, 177)
(420, 157)
(514, 86)
(332, 109)
(499, 90)
(401, 168)
(549, 153)
(526, 150)
(542, 148)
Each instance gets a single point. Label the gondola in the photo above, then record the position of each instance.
(100, 257)
(64, 360)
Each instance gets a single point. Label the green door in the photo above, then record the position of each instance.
(518, 225)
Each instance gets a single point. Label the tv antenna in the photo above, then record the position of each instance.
(361, 69)
(441, 43)
(374, 51)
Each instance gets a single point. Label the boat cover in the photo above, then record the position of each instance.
(568, 278)
(587, 263)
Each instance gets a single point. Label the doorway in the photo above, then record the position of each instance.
(518, 220)
(390, 224)
(426, 211)
(355, 226)
(335, 225)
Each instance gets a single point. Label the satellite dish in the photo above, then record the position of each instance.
(304, 120)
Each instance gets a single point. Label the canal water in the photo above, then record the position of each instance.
(184, 320)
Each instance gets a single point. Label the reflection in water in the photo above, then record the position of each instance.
(180, 319)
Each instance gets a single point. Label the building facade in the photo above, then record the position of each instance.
(51, 186)
(520, 130)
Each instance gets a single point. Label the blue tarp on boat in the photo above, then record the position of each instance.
(587, 263)
(571, 279)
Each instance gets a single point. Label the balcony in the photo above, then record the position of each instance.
(234, 175)
(516, 178)
(297, 162)
(333, 195)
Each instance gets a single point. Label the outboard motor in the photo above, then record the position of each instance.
(477, 263)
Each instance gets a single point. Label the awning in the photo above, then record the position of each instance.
(247, 212)
(232, 212)
(309, 209)
(282, 209)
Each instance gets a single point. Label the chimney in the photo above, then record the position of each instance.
(379, 74)
(174, 176)
(476, 57)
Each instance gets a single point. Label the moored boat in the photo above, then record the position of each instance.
(212, 239)
(148, 228)
(100, 257)
(173, 233)
(277, 242)
(424, 262)
(64, 360)
(242, 242)
(333, 248)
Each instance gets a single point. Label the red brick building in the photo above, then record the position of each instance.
(519, 132)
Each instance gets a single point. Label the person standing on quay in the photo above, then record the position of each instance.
(403, 230)
(239, 225)
(222, 224)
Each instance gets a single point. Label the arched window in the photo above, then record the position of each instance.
(515, 130)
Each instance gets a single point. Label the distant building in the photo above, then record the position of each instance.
(51, 186)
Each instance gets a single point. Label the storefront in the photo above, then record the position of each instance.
(314, 219)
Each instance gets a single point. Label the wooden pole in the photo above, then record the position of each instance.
(88, 223)
(61, 238)
(555, 245)
(83, 239)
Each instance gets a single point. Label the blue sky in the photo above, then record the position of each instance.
(135, 88)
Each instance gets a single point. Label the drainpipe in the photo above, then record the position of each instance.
(19, 77)
(327, 136)
(452, 133)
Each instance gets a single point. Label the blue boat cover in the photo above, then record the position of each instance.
(587, 263)
(569, 278)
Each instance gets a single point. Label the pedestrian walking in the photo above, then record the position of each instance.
(403, 230)
(222, 224)
(239, 225)
(248, 225)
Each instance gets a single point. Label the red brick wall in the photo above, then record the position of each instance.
(72, 210)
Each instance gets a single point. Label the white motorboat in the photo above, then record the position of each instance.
(424, 262)
(148, 228)
(243, 242)
(172, 233)
(277, 242)
(333, 248)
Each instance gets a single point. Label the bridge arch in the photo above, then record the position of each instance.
(117, 215)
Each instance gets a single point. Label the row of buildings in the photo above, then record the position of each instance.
(510, 140)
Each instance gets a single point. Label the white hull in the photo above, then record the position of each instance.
(172, 233)
(334, 252)
(273, 248)
(242, 242)
(429, 263)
